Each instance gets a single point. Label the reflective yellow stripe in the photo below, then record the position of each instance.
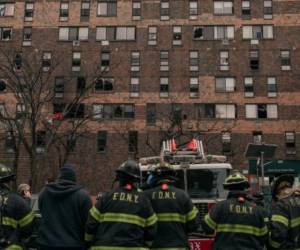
(295, 222)
(9, 222)
(209, 221)
(14, 247)
(94, 212)
(238, 228)
(280, 218)
(117, 248)
(151, 220)
(273, 243)
(88, 237)
(192, 214)
(171, 217)
(125, 218)
(26, 220)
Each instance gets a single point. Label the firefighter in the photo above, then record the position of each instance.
(16, 215)
(122, 218)
(64, 206)
(238, 223)
(285, 220)
(175, 211)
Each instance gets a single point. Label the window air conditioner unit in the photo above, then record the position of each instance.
(225, 42)
(254, 42)
(76, 43)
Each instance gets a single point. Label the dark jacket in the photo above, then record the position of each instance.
(122, 218)
(64, 208)
(239, 224)
(285, 223)
(16, 219)
(176, 216)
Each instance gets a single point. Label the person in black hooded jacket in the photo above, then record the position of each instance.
(64, 207)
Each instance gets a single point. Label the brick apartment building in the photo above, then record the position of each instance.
(228, 69)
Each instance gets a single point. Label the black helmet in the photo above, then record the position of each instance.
(128, 169)
(236, 181)
(6, 174)
(283, 181)
(164, 170)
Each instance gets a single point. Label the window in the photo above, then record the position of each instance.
(223, 7)
(18, 61)
(246, 10)
(225, 84)
(258, 32)
(3, 84)
(135, 61)
(152, 35)
(194, 60)
(59, 87)
(268, 9)
(194, 87)
(176, 113)
(164, 87)
(132, 141)
(71, 142)
(81, 84)
(248, 87)
(164, 10)
(75, 110)
(134, 87)
(76, 61)
(115, 111)
(46, 61)
(27, 36)
(290, 143)
(271, 86)
(20, 111)
(115, 33)
(98, 111)
(261, 111)
(85, 10)
(136, 10)
(9, 142)
(29, 11)
(177, 35)
(150, 113)
(285, 59)
(224, 60)
(107, 8)
(5, 34)
(73, 33)
(254, 59)
(164, 60)
(226, 142)
(102, 141)
(257, 137)
(64, 11)
(193, 9)
(104, 84)
(213, 32)
(219, 111)
(40, 141)
(7, 9)
(105, 60)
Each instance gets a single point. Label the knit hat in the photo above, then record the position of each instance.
(67, 172)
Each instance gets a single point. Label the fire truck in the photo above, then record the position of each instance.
(200, 175)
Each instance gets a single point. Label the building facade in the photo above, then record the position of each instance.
(226, 71)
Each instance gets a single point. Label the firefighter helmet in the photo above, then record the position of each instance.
(236, 181)
(283, 181)
(128, 169)
(164, 170)
(6, 174)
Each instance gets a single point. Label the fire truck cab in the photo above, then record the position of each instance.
(201, 176)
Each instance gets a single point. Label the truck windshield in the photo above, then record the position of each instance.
(206, 183)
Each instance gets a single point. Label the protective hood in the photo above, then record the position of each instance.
(61, 188)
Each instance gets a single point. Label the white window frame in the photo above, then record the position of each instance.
(193, 9)
(152, 35)
(229, 84)
(225, 111)
(7, 9)
(134, 91)
(194, 84)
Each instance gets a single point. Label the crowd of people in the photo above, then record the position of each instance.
(159, 217)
